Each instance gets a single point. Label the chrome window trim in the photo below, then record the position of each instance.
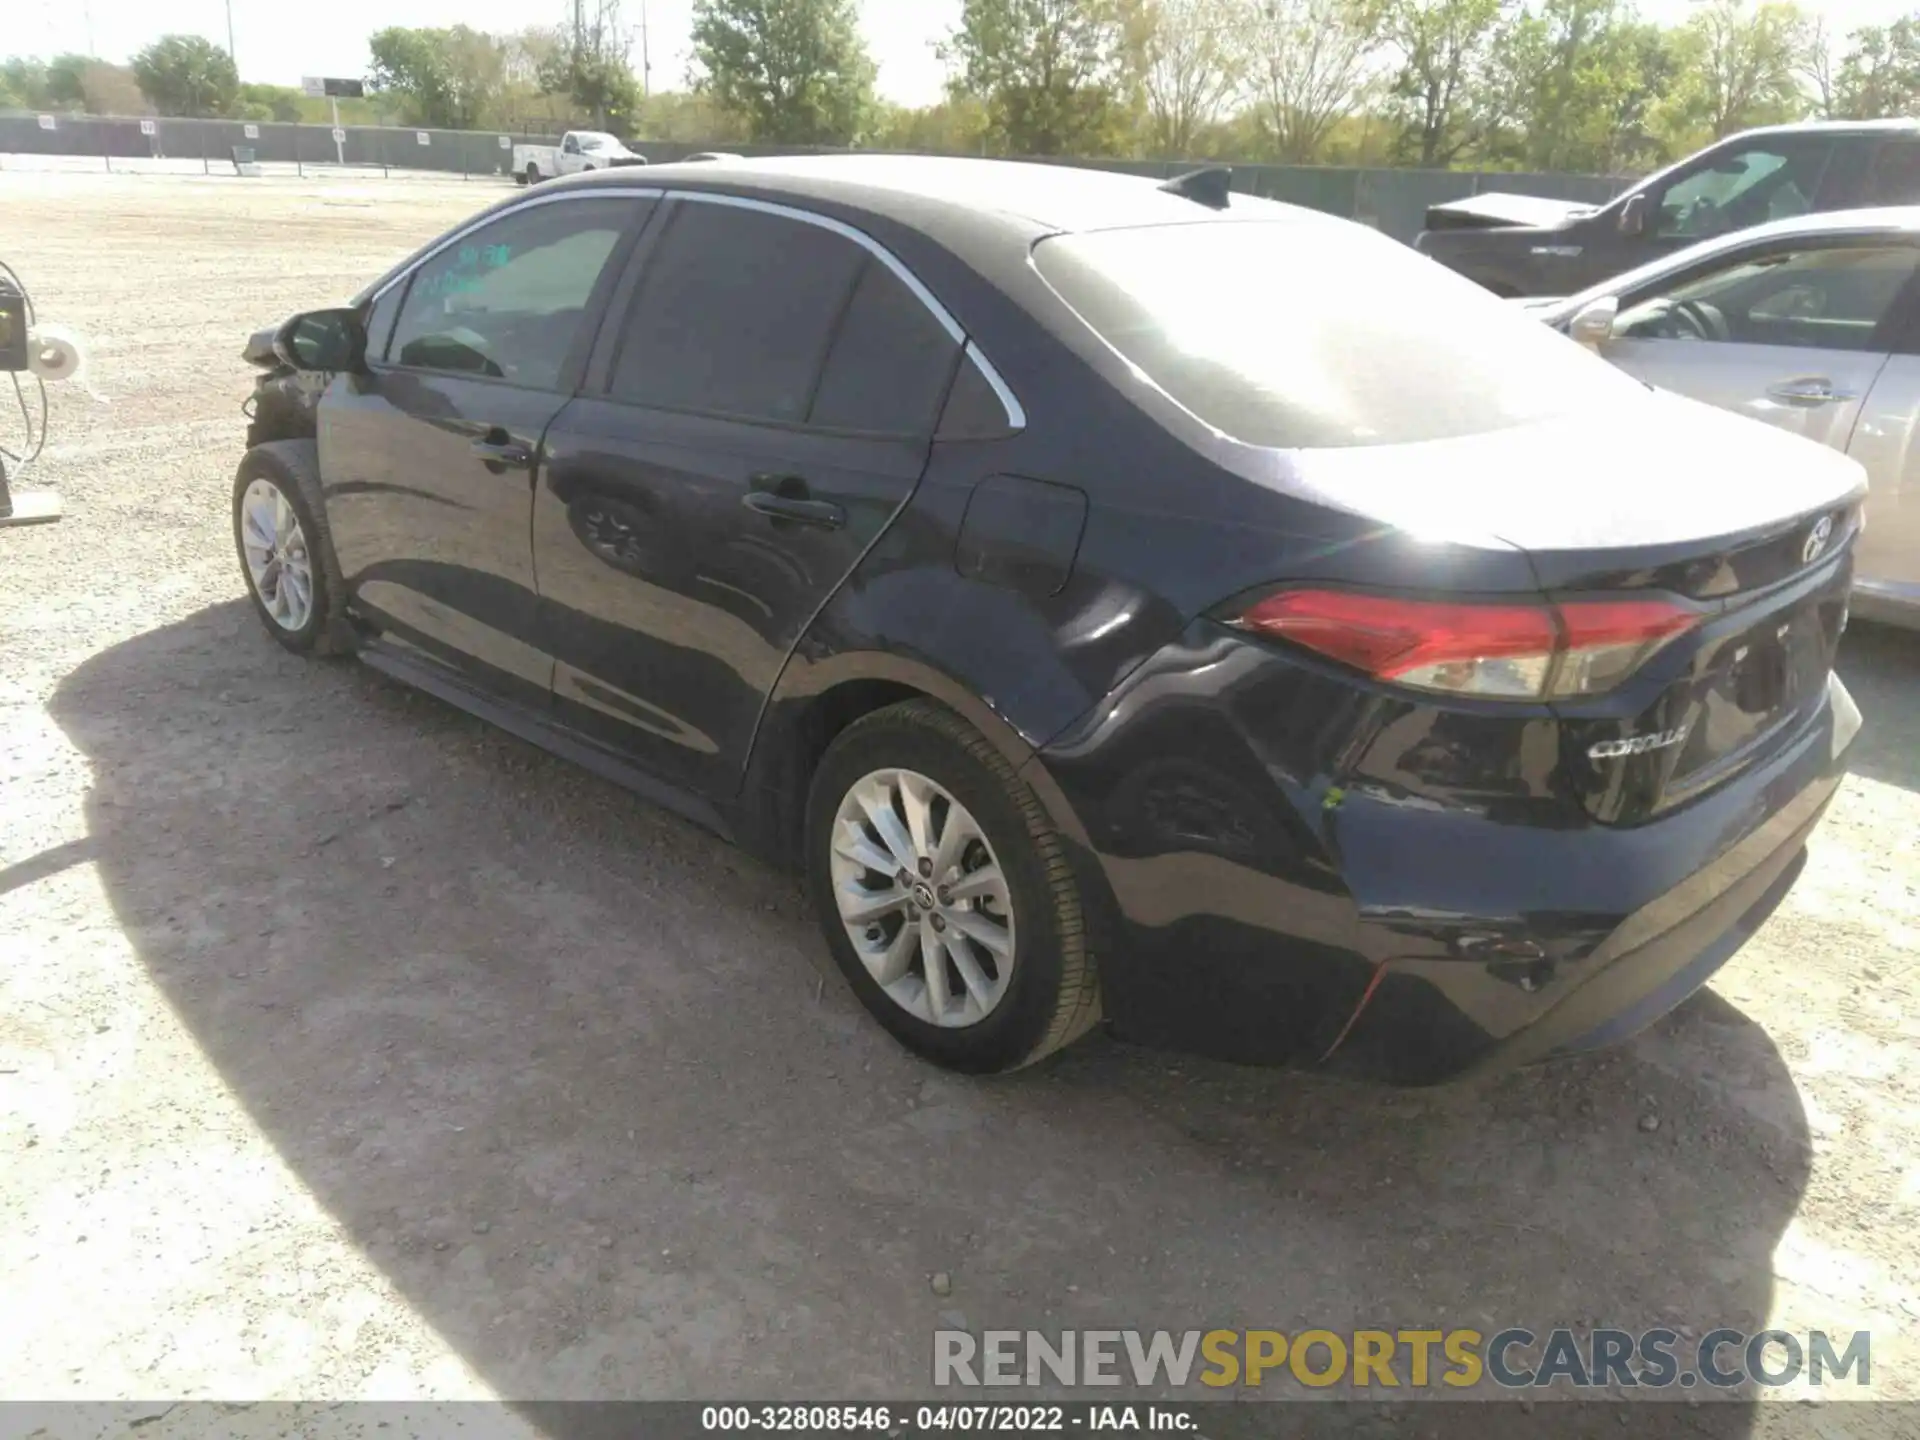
(479, 222)
(864, 241)
(1016, 414)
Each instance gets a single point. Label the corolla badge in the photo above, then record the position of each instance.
(1817, 538)
(1637, 745)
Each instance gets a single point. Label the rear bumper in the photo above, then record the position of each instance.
(1253, 912)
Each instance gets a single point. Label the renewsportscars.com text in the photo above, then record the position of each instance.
(1379, 1360)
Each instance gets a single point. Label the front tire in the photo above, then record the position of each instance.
(285, 548)
(945, 893)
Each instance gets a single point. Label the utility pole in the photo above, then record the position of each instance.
(646, 64)
(230, 55)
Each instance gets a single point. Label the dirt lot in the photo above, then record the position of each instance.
(349, 1048)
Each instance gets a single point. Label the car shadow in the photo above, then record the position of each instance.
(1881, 667)
(581, 1081)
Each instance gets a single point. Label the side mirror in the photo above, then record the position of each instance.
(322, 340)
(1633, 215)
(1592, 324)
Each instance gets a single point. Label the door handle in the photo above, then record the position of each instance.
(1811, 391)
(789, 500)
(500, 452)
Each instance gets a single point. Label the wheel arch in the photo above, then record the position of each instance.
(816, 699)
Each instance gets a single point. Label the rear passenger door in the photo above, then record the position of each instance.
(759, 407)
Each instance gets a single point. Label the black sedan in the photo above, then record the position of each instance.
(1118, 599)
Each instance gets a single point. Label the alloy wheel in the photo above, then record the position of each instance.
(279, 564)
(923, 898)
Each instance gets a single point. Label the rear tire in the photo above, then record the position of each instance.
(1009, 885)
(286, 550)
(533, 174)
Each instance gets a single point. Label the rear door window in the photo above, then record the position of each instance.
(1896, 174)
(735, 314)
(890, 362)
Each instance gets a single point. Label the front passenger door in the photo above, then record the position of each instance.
(1794, 336)
(430, 456)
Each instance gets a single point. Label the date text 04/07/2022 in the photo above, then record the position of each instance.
(1012, 1419)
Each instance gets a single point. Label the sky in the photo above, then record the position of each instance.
(278, 42)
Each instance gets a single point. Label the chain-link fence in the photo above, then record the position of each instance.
(1392, 200)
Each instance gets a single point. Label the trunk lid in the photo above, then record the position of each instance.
(1749, 528)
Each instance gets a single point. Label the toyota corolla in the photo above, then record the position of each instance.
(1119, 600)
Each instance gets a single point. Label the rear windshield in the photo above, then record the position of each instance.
(1299, 334)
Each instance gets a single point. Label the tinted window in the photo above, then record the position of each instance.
(735, 313)
(1844, 183)
(1318, 333)
(1827, 299)
(507, 301)
(1771, 180)
(973, 411)
(1896, 174)
(890, 361)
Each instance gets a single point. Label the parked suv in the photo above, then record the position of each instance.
(1519, 245)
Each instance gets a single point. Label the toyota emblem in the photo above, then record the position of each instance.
(1817, 539)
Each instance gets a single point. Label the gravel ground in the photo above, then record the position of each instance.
(349, 1048)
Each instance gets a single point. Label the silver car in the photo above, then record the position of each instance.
(1811, 324)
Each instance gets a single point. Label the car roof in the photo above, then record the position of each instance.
(1833, 127)
(922, 191)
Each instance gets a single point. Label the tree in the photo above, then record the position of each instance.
(796, 71)
(111, 90)
(1739, 66)
(1192, 63)
(1880, 75)
(23, 84)
(64, 75)
(448, 79)
(1442, 87)
(1817, 68)
(187, 75)
(590, 68)
(1310, 60)
(280, 102)
(1053, 74)
(954, 127)
(690, 117)
(1576, 84)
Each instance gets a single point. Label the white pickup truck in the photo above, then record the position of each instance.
(578, 150)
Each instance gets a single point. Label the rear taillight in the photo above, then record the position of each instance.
(1498, 651)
